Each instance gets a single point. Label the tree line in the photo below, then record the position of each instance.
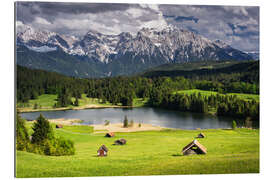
(159, 91)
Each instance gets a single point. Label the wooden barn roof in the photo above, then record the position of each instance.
(103, 147)
(110, 134)
(201, 134)
(197, 144)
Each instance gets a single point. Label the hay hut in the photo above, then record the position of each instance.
(59, 126)
(201, 135)
(102, 151)
(194, 148)
(120, 142)
(110, 134)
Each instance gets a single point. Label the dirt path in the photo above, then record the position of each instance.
(118, 127)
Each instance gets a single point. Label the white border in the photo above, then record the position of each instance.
(7, 87)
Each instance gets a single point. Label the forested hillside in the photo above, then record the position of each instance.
(160, 91)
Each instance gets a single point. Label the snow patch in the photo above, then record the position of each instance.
(42, 49)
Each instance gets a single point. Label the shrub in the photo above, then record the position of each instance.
(234, 125)
(125, 124)
(44, 142)
(35, 106)
(22, 137)
(107, 122)
(131, 123)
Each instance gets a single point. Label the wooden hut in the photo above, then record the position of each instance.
(110, 134)
(102, 151)
(120, 142)
(201, 135)
(59, 126)
(194, 148)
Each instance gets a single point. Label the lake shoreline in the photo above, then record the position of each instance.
(112, 127)
(25, 110)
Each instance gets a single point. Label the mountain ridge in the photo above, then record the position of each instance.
(124, 53)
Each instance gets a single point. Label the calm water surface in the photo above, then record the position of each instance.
(148, 115)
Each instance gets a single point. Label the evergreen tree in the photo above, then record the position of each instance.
(63, 99)
(42, 130)
(125, 124)
(22, 137)
(76, 103)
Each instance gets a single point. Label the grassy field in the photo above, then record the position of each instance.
(46, 102)
(146, 153)
(209, 93)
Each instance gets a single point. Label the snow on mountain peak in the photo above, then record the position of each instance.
(169, 43)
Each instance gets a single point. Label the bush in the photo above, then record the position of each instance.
(125, 124)
(22, 137)
(43, 140)
(131, 123)
(107, 122)
(234, 125)
(59, 147)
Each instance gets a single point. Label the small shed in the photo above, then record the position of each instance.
(194, 148)
(59, 126)
(110, 134)
(120, 142)
(201, 135)
(102, 151)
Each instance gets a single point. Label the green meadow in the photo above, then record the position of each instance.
(46, 102)
(146, 153)
(255, 97)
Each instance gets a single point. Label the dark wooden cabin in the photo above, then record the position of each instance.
(102, 151)
(201, 135)
(120, 142)
(194, 148)
(59, 126)
(110, 134)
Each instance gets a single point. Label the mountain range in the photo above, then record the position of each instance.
(100, 55)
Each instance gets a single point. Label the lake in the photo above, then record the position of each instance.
(146, 115)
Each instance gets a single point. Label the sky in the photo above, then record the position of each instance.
(237, 26)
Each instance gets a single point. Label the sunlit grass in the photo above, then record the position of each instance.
(147, 153)
(209, 93)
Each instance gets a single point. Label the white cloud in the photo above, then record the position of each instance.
(135, 12)
(158, 23)
(40, 20)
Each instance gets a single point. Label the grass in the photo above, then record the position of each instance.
(78, 129)
(46, 102)
(255, 97)
(146, 153)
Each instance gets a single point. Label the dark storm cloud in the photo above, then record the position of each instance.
(52, 8)
(236, 25)
(26, 11)
(182, 18)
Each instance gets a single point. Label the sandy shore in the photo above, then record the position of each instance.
(65, 121)
(118, 127)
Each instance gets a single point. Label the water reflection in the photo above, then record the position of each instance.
(155, 116)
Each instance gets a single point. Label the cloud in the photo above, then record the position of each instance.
(40, 20)
(78, 18)
(218, 22)
(182, 18)
(231, 24)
